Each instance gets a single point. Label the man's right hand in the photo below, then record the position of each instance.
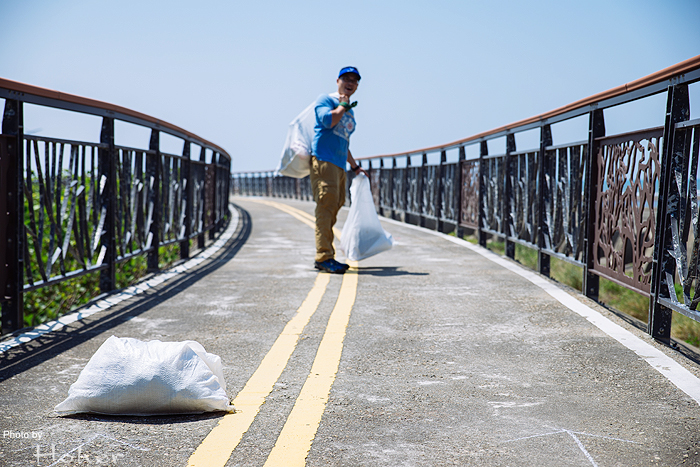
(338, 112)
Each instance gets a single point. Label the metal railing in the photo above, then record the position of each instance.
(622, 207)
(70, 208)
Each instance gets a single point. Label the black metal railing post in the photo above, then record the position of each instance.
(663, 265)
(201, 239)
(543, 259)
(508, 202)
(439, 186)
(406, 189)
(215, 204)
(108, 201)
(379, 186)
(220, 204)
(187, 195)
(394, 199)
(229, 182)
(153, 170)
(596, 129)
(372, 180)
(484, 151)
(12, 218)
(423, 195)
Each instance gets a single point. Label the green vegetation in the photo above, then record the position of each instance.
(51, 302)
(48, 303)
(471, 238)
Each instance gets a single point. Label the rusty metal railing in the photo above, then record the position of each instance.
(622, 207)
(70, 208)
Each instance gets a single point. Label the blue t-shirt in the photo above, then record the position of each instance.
(331, 143)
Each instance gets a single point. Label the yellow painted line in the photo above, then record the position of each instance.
(217, 447)
(298, 433)
(305, 217)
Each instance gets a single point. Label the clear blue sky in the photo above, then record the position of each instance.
(238, 72)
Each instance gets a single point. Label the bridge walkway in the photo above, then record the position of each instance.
(445, 355)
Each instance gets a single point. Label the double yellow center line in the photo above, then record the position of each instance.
(295, 440)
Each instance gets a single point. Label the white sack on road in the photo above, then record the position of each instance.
(130, 377)
(363, 235)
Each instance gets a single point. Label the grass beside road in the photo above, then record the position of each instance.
(53, 301)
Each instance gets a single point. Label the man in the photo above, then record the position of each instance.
(335, 122)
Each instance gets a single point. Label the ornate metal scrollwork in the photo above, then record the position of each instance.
(494, 174)
(448, 205)
(429, 192)
(523, 205)
(470, 194)
(385, 195)
(564, 211)
(413, 195)
(628, 171)
(398, 193)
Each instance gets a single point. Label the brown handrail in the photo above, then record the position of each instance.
(24, 88)
(649, 80)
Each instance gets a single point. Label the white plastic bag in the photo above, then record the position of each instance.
(363, 235)
(130, 377)
(296, 155)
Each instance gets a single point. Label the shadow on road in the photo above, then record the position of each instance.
(164, 419)
(388, 271)
(37, 351)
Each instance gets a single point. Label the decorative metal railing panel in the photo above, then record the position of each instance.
(628, 171)
(564, 220)
(64, 212)
(386, 189)
(469, 216)
(210, 195)
(135, 206)
(65, 206)
(198, 222)
(173, 201)
(429, 193)
(493, 196)
(415, 190)
(682, 252)
(449, 209)
(398, 194)
(522, 209)
(223, 190)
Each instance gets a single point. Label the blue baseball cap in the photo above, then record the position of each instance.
(349, 69)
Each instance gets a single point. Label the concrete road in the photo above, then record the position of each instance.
(448, 358)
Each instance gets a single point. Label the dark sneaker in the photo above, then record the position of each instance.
(343, 265)
(330, 265)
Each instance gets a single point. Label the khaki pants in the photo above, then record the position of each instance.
(328, 185)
